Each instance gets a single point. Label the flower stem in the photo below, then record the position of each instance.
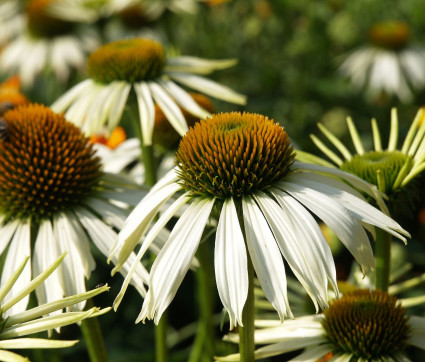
(93, 337)
(203, 346)
(383, 259)
(161, 350)
(246, 333)
(149, 163)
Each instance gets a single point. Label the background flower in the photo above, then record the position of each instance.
(55, 198)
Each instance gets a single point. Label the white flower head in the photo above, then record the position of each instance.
(140, 64)
(45, 317)
(55, 198)
(361, 326)
(389, 65)
(389, 166)
(242, 165)
(46, 42)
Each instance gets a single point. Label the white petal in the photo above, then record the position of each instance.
(19, 249)
(139, 220)
(360, 208)
(73, 266)
(7, 231)
(171, 111)
(417, 334)
(146, 111)
(209, 87)
(147, 243)
(175, 258)
(45, 253)
(230, 260)
(266, 257)
(184, 99)
(350, 178)
(301, 243)
(338, 218)
(197, 65)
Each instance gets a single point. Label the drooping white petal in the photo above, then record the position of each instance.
(66, 99)
(7, 232)
(358, 207)
(197, 65)
(139, 220)
(147, 243)
(175, 258)
(184, 99)
(417, 334)
(230, 260)
(72, 268)
(103, 236)
(109, 96)
(301, 243)
(146, 111)
(337, 217)
(357, 182)
(45, 253)
(266, 257)
(19, 249)
(171, 111)
(78, 111)
(209, 87)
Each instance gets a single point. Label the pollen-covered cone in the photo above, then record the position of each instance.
(363, 325)
(242, 165)
(141, 65)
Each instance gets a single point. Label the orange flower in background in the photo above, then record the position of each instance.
(10, 94)
(117, 137)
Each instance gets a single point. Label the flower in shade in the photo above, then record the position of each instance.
(11, 20)
(361, 326)
(241, 167)
(392, 169)
(140, 64)
(88, 10)
(46, 42)
(55, 198)
(15, 325)
(389, 65)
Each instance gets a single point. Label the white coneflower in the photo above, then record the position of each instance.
(12, 21)
(55, 198)
(15, 325)
(140, 64)
(46, 42)
(242, 166)
(389, 65)
(361, 326)
(388, 166)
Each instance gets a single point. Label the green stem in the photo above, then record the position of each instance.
(203, 346)
(92, 334)
(149, 163)
(161, 350)
(246, 333)
(383, 259)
